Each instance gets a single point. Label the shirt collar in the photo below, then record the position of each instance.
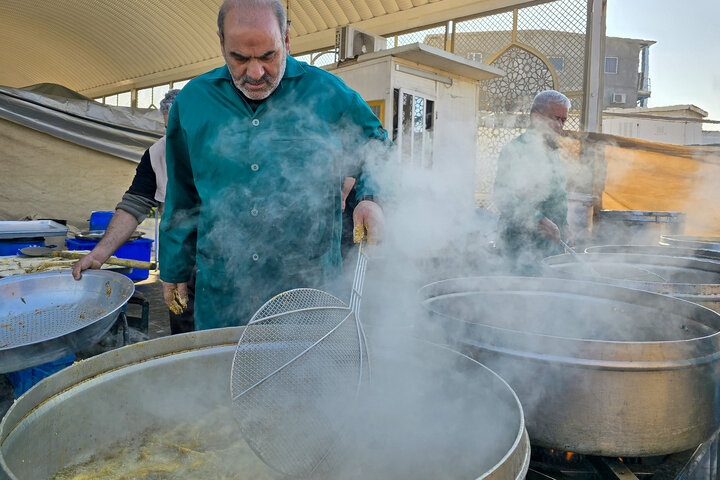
(293, 68)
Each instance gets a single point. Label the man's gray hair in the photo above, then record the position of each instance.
(275, 5)
(167, 102)
(544, 99)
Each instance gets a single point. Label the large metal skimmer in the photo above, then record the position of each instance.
(297, 370)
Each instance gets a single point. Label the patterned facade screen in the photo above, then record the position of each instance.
(538, 48)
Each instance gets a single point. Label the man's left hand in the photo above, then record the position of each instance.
(369, 214)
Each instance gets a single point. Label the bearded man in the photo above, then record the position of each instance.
(530, 190)
(257, 151)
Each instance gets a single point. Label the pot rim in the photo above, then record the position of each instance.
(606, 354)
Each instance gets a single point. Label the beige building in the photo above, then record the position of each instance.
(626, 72)
(625, 66)
(674, 124)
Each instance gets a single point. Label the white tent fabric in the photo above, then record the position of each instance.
(119, 131)
(63, 155)
(46, 177)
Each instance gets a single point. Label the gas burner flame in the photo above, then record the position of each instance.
(551, 455)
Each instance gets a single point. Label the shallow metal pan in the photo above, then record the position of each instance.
(31, 229)
(45, 316)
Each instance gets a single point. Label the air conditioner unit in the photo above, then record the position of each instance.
(619, 98)
(351, 42)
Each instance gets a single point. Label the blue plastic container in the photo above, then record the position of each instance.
(23, 380)
(12, 247)
(139, 249)
(100, 220)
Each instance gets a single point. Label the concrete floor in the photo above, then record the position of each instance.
(158, 326)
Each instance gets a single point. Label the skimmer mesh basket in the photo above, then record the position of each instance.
(298, 366)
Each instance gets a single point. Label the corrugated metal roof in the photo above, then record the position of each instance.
(100, 46)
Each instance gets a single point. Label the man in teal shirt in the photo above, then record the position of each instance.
(530, 190)
(257, 151)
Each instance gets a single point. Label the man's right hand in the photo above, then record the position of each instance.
(121, 226)
(88, 261)
(176, 296)
(548, 229)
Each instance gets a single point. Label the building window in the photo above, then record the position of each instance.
(475, 56)
(558, 63)
(151, 97)
(413, 127)
(180, 84)
(611, 64)
(123, 99)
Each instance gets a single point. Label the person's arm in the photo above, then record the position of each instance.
(348, 183)
(370, 145)
(548, 229)
(178, 230)
(134, 207)
(121, 226)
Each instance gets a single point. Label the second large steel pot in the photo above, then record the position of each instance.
(679, 251)
(599, 369)
(468, 420)
(696, 279)
(691, 241)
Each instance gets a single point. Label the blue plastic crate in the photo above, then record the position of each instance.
(24, 380)
(100, 220)
(12, 247)
(139, 249)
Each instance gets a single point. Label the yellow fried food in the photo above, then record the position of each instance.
(207, 447)
(146, 471)
(178, 304)
(359, 233)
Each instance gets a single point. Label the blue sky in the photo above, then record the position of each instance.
(685, 61)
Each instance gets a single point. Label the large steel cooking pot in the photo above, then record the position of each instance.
(693, 279)
(667, 251)
(637, 226)
(580, 213)
(477, 431)
(691, 241)
(599, 369)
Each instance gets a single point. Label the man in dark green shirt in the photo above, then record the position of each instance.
(257, 151)
(530, 190)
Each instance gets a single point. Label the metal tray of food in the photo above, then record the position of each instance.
(31, 228)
